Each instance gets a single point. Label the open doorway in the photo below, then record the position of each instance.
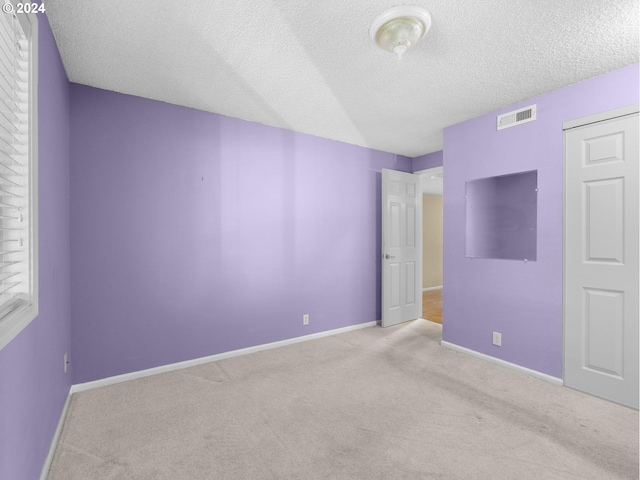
(432, 189)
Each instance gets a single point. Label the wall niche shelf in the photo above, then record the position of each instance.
(501, 217)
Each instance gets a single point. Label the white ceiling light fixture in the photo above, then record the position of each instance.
(400, 28)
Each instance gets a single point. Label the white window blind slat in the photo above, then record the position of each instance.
(7, 24)
(15, 129)
(14, 107)
(8, 205)
(7, 50)
(9, 252)
(5, 264)
(8, 86)
(10, 104)
(5, 288)
(11, 229)
(13, 90)
(7, 276)
(14, 174)
(10, 194)
(12, 151)
(18, 127)
(4, 179)
(12, 136)
(14, 145)
(18, 179)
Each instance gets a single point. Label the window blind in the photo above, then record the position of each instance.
(15, 248)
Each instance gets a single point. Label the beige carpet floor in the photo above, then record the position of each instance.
(370, 404)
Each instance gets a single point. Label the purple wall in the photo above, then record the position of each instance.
(194, 234)
(430, 160)
(521, 300)
(33, 386)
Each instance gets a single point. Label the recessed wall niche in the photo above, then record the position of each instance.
(502, 216)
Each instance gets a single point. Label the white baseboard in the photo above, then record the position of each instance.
(513, 366)
(56, 437)
(439, 287)
(80, 387)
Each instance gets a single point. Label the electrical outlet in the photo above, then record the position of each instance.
(497, 339)
(305, 319)
(66, 363)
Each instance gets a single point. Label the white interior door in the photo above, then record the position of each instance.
(401, 247)
(601, 259)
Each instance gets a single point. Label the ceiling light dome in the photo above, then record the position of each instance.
(400, 28)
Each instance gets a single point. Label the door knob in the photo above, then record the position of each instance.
(387, 256)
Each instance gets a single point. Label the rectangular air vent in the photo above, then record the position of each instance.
(511, 119)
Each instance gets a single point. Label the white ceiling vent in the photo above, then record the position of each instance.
(511, 119)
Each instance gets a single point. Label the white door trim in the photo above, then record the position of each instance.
(599, 117)
(428, 172)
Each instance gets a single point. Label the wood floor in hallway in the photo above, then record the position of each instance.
(432, 305)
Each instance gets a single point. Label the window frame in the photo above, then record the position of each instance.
(18, 319)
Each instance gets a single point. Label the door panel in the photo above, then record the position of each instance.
(411, 283)
(604, 220)
(394, 272)
(604, 327)
(411, 226)
(601, 259)
(401, 247)
(394, 214)
(607, 148)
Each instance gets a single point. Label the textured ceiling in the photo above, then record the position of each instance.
(311, 67)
